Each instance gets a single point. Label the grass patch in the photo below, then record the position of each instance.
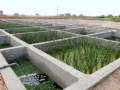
(26, 67)
(4, 46)
(23, 30)
(83, 56)
(114, 38)
(44, 36)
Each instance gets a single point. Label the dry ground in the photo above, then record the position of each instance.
(110, 83)
(2, 84)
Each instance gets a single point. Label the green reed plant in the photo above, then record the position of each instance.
(23, 30)
(44, 36)
(86, 55)
(6, 25)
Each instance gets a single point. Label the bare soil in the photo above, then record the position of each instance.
(2, 84)
(110, 83)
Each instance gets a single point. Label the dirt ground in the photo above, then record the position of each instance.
(2, 84)
(110, 83)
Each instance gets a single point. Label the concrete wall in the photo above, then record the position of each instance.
(14, 54)
(1, 33)
(3, 39)
(75, 30)
(103, 34)
(117, 34)
(56, 27)
(85, 30)
(45, 25)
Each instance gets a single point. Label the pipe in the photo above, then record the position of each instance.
(9, 65)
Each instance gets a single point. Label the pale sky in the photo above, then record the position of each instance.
(49, 7)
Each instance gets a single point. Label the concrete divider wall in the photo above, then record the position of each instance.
(94, 30)
(103, 34)
(14, 54)
(107, 34)
(117, 34)
(85, 30)
(1, 33)
(44, 25)
(14, 42)
(56, 27)
(4, 39)
(75, 30)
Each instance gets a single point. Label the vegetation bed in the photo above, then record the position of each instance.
(83, 56)
(25, 67)
(23, 30)
(44, 36)
(4, 46)
(4, 25)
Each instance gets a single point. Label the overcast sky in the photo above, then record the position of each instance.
(49, 7)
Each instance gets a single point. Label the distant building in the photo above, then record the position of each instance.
(1, 12)
(16, 14)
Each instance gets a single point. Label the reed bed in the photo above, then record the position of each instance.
(4, 46)
(25, 67)
(44, 36)
(23, 30)
(83, 56)
(6, 25)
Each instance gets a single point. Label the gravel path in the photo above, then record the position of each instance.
(110, 83)
(2, 84)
